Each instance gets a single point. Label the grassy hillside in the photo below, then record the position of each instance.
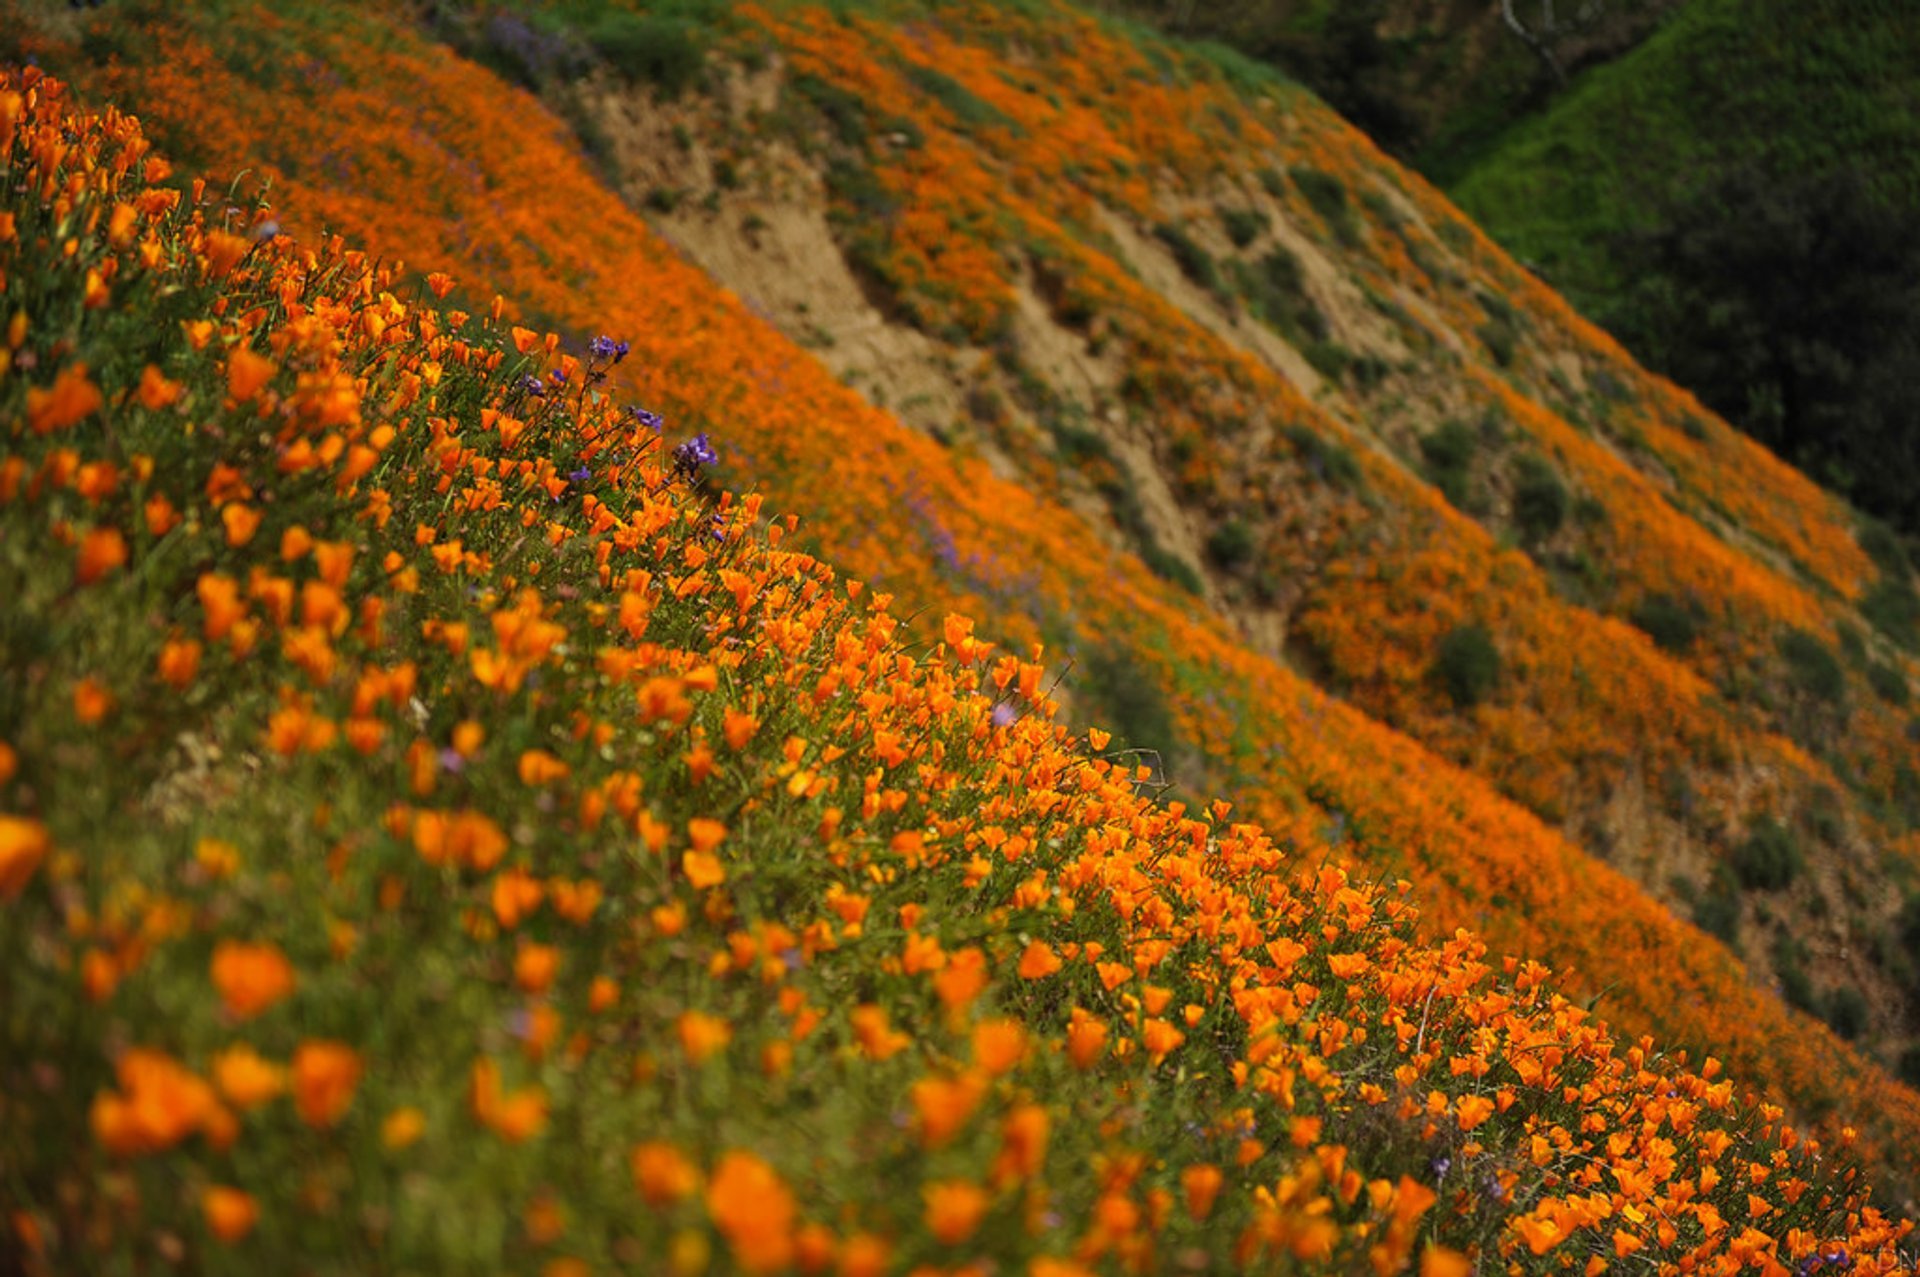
(429, 631)
(1735, 200)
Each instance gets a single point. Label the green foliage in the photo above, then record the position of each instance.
(1672, 623)
(1845, 1011)
(1195, 262)
(1789, 963)
(1735, 200)
(668, 53)
(1232, 544)
(1769, 859)
(1888, 683)
(1539, 498)
(1325, 459)
(1467, 664)
(1717, 911)
(1893, 608)
(1243, 225)
(1814, 668)
(1327, 196)
(1449, 451)
(1275, 290)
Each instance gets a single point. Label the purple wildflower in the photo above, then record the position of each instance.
(604, 347)
(690, 456)
(651, 420)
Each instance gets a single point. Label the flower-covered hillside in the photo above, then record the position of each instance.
(432, 159)
(1188, 302)
(444, 832)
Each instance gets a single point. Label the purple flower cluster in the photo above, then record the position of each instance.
(695, 453)
(605, 347)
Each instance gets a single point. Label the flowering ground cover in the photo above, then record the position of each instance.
(445, 828)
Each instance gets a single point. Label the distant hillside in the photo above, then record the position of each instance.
(1736, 200)
(1130, 351)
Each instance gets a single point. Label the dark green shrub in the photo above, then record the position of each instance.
(1467, 664)
(1327, 197)
(1884, 547)
(1888, 683)
(1275, 291)
(1815, 669)
(1908, 1070)
(1243, 225)
(1231, 544)
(1769, 859)
(1539, 498)
(1673, 624)
(1718, 911)
(1846, 1012)
(1449, 453)
(1196, 263)
(1325, 459)
(648, 49)
(1789, 962)
(1893, 608)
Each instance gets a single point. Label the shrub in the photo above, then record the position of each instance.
(1846, 1012)
(1231, 544)
(663, 52)
(1672, 623)
(1243, 225)
(1449, 453)
(1718, 911)
(1467, 664)
(1789, 963)
(1813, 666)
(1275, 291)
(1884, 547)
(1893, 608)
(1325, 459)
(1769, 859)
(1539, 498)
(1888, 683)
(1327, 197)
(1196, 263)
(1908, 1070)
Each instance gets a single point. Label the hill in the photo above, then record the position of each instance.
(1734, 200)
(369, 128)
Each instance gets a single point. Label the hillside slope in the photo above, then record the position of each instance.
(1115, 287)
(705, 917)
(370, 129)
(1735, 199)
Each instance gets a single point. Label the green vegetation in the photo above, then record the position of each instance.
(1814, 668)
(1735, 200)
(1672, 623)
(1769, 858)
(1539, 497)
(1467, 664)
(1449, 452)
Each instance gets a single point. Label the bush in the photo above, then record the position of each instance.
(663, 52)
(1467, 664)
(1196, 263)
(1846, 1012)
(1813, 666)
(1327, 460)
(1884, 547)
(1718, 911)
(1327, 197)
(1673, 624)
(1893, 608)
(1275, 291)
(1449, 453)
(1908, 1070)
(1888, 683)
(1539, 498)
(1231, 544)
(1769, 859)
(1243, 225)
